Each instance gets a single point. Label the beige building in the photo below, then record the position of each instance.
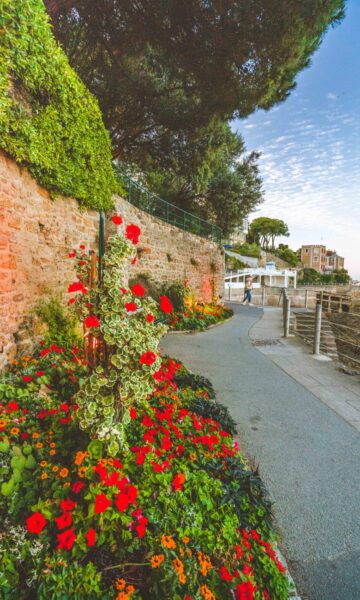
(313, 256)
(334, 262)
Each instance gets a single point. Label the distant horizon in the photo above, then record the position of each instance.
(310, 149)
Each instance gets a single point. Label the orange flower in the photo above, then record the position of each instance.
(52, 445)
(120, 584)
(3, 423)
(181, 552)
(43, 463)
(130, 590)
(82, 472)
(39, 445)
(122, 596)
(80, 457)
(192, 456)
(64, 472)
(185, 539)
(44, 475)
(178, 565)
(168, 542)
(55, 469)
(14, 430)
(206, 593)
(205, 563)
(52, 452)
(35, 435)
(182, 578)
(156, 560)
(66, 484)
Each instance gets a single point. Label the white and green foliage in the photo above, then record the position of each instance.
(120, 380)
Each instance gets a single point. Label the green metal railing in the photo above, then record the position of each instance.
(156, 206)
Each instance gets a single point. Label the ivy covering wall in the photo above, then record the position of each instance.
(49, 121)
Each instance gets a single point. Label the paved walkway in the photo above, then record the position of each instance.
(309, 455)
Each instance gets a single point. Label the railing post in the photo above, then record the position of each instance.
(317, 332)
(306, 298)
(287, 316)
(229, 291)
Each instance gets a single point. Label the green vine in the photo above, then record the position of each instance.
(49, 121)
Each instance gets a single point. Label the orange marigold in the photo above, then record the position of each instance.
(52, 452)
(168, 542)
(156, 560)
(182, 578)
(81, 472)
(55, 469)
(185, 539)
(3, 423)
(44, 475)
(14, 430)
(122, 596)
(206, 593)
(35, 435)
(39, 445)
(80, 457)
(120, 584)
(43, 463)
(64, 472)
(130, 590)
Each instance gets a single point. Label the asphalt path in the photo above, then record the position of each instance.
(309, 457)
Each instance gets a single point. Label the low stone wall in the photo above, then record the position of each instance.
(36, 234)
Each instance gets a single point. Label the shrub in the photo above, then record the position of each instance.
(49, 121)
(247, 249)
(62, 326)
(177, 292)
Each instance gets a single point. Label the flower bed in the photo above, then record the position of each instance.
(199, 318)
(119, 474)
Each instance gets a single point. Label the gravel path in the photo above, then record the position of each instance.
(309, 457)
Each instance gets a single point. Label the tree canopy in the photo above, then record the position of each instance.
(163, 70)
(264, 230)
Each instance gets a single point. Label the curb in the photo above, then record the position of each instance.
(293, 591)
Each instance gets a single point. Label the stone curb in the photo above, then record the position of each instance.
(293, 591)
(192, 332)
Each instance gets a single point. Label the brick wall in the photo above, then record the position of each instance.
(37, 232)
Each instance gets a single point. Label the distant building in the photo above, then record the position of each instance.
(313, 256)
(334, 262)
(316, 256)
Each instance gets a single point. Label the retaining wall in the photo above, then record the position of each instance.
(36, 234)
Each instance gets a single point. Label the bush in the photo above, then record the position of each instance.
(286, 254)
(177, 292)
(49, 121)
(247, 249)
(62, 326)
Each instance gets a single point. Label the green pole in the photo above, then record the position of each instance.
(101, 244)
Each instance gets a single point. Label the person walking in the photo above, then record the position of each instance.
(248, 291)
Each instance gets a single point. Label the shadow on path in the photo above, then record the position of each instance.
(309, 457)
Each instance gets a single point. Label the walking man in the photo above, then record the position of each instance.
(248, 291)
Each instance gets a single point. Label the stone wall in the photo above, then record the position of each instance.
(36, 234)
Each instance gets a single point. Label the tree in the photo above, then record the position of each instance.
(163, 70)
(264, 230)
(285, 253)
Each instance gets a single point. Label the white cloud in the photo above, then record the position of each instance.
(331, 96)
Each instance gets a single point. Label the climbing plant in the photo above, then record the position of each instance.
(49, 121)
(120, 328)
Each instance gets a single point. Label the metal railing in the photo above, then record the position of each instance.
(142, 198)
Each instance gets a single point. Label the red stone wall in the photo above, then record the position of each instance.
(36, 234)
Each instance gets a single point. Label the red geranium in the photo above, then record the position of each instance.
(90, 537)
(45, 351)
(133, 262)
(77, 487)
(150, 318)
(133, 413)
(131, 306)
(68, 504)
(166, 305)
(102, 503)
(224, 574)
(12, 406)
(117, 220)
(245, 591)
(141, 527)
(92, 321)
(64, 520)
(148, 358)
(35, 523)
(66, 539)
(77, 286)
(178, 481)
(40, 373)
(72, 254)
(138, 290)
(132, 233)
(27, 378)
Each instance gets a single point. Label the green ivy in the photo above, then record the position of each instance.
(49, 121)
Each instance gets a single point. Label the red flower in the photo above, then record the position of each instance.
(45, 351)
(123, 290)
(101, 503)
(82, 246)
(133, 413)
(133, 262)
(141, 527)
(117, 220)
(132, 233)
(64, 520)
(77, 286)
(148, 358)
(90, 537)
(131, 306)
(35, 523)
(92, 321)
(165, 305)
(138, 290)
(150, 318)
(68, 504)
(12, 406)
(72, 254)
(122, 501)
(27, 378)
(178, 481)
(224, 574)
(40, 373)
(66, 539)
(65, 407)
(245, 591)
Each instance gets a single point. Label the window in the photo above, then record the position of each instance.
(316, 258)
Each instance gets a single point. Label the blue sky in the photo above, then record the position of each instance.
(310, 147)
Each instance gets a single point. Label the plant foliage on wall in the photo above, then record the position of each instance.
(49, 121)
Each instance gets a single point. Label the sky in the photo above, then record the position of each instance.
(310, 148)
